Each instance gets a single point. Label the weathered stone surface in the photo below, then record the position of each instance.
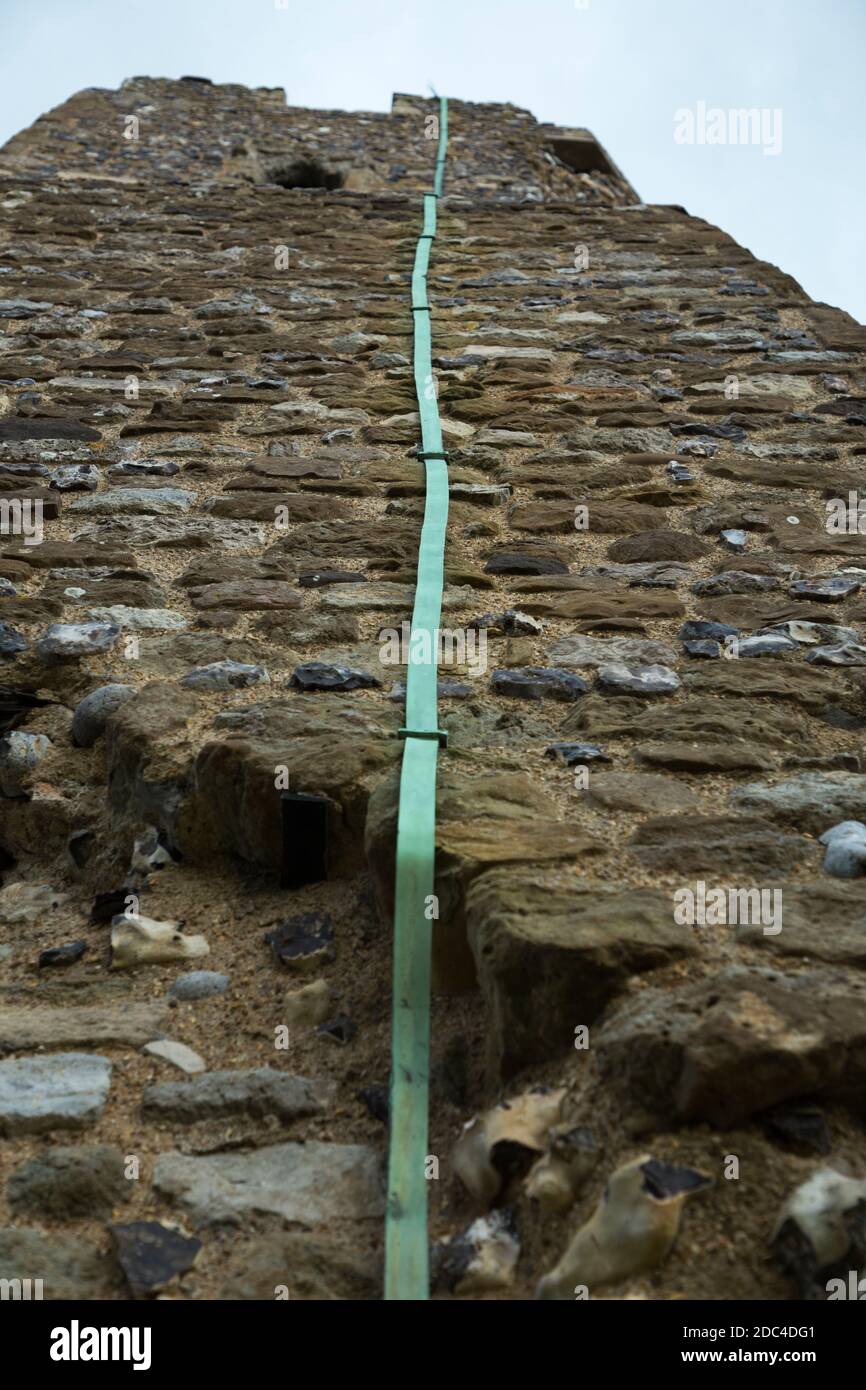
(65, 1091)
(705, 757)
(584, 410)
(575, 650)
(307, 1183)
(488, 842)
(70, 1183)
(631, 610)
(260, 1092)
(175, 653)
(710, 845)
(147, 758)
(246, 595)
(820, 921)
(550, 955)
(133, 1023)
(234, 804)
(69, 1268)
(28, 902)
(657, 545)
(640, 791)
(770, 679)
(813, 801)
(741, 1041)
(177, 1054)
(310, 1267)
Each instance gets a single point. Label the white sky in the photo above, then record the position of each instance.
(620, 67)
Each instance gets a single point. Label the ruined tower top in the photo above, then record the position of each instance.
(204, 133)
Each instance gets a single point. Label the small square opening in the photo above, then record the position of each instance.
(305, 839)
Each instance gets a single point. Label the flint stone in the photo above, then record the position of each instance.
(832, 589)
(224, 675)
(573, 753)
(704, 648)
(765, 644)
(735, 582)
(92, 713)
(70, 641)
(151, 1255)
(319, 675)
(846, 849)
(538, 683)
(161, 468)
(75, 477)
(20, 754)
(198, 984)
(695, 630)
(845, 654)
(11, 641)
(639, 680)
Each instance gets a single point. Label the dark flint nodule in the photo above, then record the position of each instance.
(302, 940)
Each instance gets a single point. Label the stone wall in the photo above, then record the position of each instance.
(656, 683)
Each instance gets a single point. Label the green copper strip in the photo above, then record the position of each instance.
(406, 1257)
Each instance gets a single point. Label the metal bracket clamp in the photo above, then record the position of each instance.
(440, 734)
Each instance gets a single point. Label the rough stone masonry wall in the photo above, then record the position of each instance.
(206, 382)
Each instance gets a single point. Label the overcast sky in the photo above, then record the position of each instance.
(624, 68)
